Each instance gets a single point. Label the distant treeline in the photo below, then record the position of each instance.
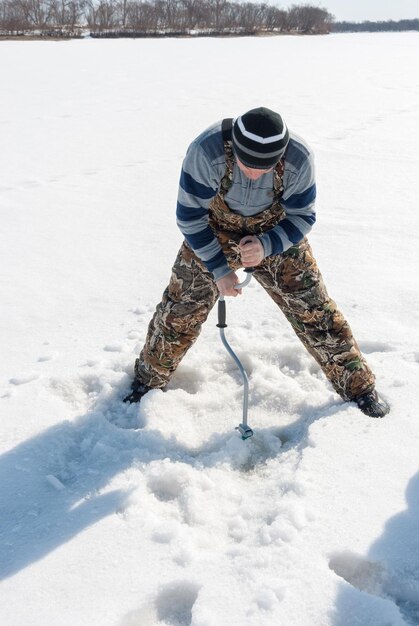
(163, 18)
(152, 18)
(373, 27)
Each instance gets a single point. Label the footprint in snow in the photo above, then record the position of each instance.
(175, 601)
(140, 310)
(411, 357)
(370, 347)
(91, 172)
(166, 485)
(172, 606)
(187, 379)
(126, 417)
(114, 347)
(265, 599)
(374, 578)
(28, 184)
(47, 357)
(23, 380)
(361, 573)
(165, 533)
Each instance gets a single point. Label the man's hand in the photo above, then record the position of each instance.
(226, 285)
(251, 251)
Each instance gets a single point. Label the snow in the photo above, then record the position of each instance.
(160, 514)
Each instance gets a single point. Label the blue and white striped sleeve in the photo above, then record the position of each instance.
(197, 187)
(298, 201)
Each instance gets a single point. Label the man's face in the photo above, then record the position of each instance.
(251, 172)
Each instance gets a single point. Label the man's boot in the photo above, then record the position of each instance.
(138, 390)
(372, 405)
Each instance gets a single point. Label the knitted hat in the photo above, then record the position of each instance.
(260, 138)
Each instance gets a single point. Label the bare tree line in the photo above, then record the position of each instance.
(373, 27)
(156, 17)
(41, 16)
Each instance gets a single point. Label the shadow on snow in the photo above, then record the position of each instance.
(55, 484)
(383, 587)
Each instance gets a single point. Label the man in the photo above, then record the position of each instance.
(246, 199)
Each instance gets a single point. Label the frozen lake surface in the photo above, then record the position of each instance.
(121, 515)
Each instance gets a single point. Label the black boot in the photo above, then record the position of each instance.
(138, 390)
(372, 405)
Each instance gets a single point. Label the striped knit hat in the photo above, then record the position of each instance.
(260, 138)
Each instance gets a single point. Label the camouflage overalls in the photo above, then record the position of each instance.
(292, 279)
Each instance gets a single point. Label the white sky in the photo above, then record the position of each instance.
(360, 10)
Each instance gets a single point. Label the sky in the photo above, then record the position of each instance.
(360, 10)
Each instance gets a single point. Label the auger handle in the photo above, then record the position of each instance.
(221, 313)
(249, 271)
(221, 302)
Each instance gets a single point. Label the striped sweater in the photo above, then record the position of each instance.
(202, 171)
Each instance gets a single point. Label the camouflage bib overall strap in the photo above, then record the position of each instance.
(230, 227)
(292, 280)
